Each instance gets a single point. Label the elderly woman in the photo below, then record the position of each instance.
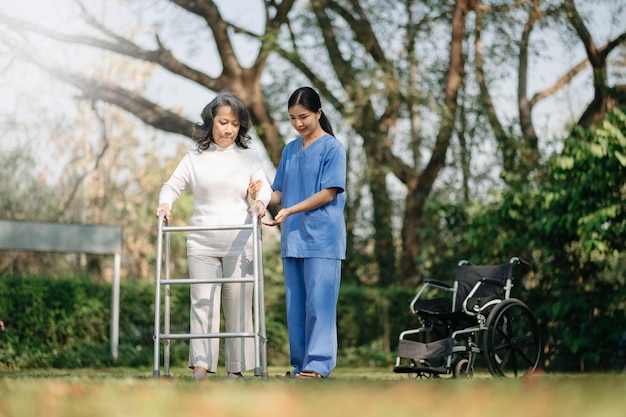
(218, 172)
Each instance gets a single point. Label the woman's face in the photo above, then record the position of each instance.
(304, 120)
(225, 126)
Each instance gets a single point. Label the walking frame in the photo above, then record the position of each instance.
(260, 340)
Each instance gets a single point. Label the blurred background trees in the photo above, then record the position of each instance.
(474, 129)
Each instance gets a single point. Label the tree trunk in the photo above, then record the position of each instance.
(419, 190)
(377, 171)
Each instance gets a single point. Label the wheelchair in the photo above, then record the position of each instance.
(476, 317)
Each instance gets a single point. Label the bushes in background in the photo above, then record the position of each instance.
(65, 323)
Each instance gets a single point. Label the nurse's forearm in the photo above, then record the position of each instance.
(275, 199)
(318, 199)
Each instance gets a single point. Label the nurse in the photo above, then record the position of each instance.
(309, 187)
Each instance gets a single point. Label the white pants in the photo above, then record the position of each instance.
(205, 312)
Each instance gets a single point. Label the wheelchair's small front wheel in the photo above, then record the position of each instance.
(421, 375)
(463, 369)
(511, 342)
(421, 370)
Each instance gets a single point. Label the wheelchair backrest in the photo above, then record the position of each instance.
(468, 275)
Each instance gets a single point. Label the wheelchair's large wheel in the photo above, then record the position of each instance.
(511, 342)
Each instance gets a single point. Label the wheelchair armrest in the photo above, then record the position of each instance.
(437, 283)
(429, 283)
(493, 282)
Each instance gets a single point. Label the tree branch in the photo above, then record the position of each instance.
(583, 33)
(81, 179)
(342, 67)
(524, 108)
(486, 99)
(454, 80)
(219, 28)
(319, 84)
(160, 56)
(269, 41)
(362, 29)
(608, 48)
(602, 99)
(560, 83)
(149, 112)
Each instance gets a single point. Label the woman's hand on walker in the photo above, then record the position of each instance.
(260, 206)
(165, 209)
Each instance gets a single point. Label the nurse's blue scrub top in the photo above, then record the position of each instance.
(319, 233)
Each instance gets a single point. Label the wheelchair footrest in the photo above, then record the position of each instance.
(410, 369)
(419, 351)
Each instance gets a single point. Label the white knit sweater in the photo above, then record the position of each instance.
(218, 178)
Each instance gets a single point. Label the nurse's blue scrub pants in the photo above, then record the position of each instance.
(312, 290)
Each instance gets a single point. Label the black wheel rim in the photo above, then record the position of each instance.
(512, 344)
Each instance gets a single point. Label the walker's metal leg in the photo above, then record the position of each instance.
(262, 319)
(166, 312)
(261, 279)
(259, 336)
(157, 298)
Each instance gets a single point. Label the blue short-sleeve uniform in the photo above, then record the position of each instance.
(313, 243)
(319, 233)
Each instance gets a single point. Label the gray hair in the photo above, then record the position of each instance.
(202, 132)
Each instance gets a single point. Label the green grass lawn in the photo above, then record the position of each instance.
(350, 392)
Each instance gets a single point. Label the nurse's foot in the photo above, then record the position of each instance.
(306, 374)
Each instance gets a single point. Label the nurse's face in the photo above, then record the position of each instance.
(304, 120)
(225, 126)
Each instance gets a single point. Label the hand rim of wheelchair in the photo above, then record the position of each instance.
(511, 342)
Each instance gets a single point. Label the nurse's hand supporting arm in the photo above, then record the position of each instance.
(318, 199)
(255, 186)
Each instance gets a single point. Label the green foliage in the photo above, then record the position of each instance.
(571, 225)
(276, 324)
(41, 317)
(442, 232)
(581, 228)
(372, 317)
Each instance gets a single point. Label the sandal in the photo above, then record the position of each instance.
(306, 374)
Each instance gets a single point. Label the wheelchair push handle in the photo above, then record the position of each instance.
(518, 260)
